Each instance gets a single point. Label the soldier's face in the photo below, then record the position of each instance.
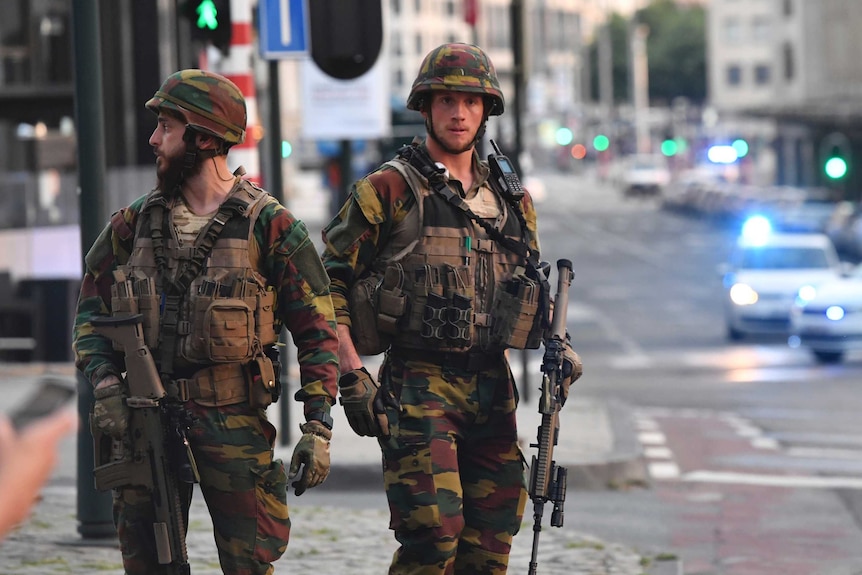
(454, 119)
(169, 149)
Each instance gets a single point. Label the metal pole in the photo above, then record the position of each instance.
(516, 18)
(276, 188)
(94, 508)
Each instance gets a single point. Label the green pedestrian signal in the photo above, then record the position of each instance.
(210, 22)
(835, 168)
(669, 148)
(207, 15)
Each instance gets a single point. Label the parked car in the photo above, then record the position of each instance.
(644, 175)
(765, 273)
(828, 320)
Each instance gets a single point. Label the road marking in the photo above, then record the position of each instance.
(792, 481)
(663, 470)
(658, 453)
(824, 453)
(652, 438)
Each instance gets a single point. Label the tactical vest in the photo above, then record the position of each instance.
(453, 288)
(226, 313)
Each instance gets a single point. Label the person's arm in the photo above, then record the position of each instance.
(94, 354)
(354, 238)
(293, 267)
(26, 462)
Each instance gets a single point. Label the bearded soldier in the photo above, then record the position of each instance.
(215, 266)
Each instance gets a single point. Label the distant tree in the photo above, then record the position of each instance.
(676, 51)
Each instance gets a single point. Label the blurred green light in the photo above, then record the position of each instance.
(741, 147)
(286, 149)
(836, 168)
(207, 15)
(601, 143)
(564, 136)
(669, 148)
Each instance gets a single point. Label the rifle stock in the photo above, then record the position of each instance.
(547, 479)
(155, 454)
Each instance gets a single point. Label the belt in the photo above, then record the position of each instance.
(468, 360)
(217, 385)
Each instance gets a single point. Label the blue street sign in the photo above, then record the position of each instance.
(283, 28)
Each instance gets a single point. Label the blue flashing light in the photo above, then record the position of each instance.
(722, 154)
(756, 229)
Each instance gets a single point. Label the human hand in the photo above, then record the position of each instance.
(26, 461)
(312, 455)
(110, 412)
(359, 397)
(572, 369)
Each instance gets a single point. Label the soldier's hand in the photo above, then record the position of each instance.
(310, 456)
(110, 412)
(363, 406)
(572, 369)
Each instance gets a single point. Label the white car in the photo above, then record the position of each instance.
(645, 175)
(765, 274)
(828, 320)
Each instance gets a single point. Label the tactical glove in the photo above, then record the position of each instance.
(362, 400)
(312, 454)
(110, 412)
(572, 369)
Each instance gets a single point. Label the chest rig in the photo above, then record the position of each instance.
(458, 286)
(204, 303)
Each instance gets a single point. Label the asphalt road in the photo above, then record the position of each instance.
(755, 451)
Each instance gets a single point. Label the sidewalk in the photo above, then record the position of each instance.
(342, 526)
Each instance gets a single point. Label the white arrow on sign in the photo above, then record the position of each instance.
(285, 23)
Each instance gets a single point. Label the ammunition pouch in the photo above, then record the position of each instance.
(362, 300)
(517, 322)
(228, 384)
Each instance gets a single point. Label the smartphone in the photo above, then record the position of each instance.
(503, 175)
(52, 393)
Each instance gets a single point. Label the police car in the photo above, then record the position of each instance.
(828, 319)
(766, 272)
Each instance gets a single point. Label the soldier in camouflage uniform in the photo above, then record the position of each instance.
(414, 275)
(216, 266)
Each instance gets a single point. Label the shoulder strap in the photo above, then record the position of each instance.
(416, 157)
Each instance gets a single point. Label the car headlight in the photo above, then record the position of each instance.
(835, 312)
(805, 294)
(743, 294)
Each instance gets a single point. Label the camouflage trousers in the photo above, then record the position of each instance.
(244, 488)
(453, 471)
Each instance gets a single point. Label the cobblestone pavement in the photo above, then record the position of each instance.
(324, 539)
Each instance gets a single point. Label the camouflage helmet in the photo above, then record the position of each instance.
(460, 68)
(209, 103)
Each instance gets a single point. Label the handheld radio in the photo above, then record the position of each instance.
(503, 175)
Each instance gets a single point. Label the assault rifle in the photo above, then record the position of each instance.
(547, 479)
(155, 453)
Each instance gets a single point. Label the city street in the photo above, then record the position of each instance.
(754, 450)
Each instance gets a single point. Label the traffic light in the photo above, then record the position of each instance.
(835, 156)
(669, 147)
(210, 22)
(601, 143)
(346, 37)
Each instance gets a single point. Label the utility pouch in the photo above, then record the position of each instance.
(434, 318)
(459, 324)
(262, 382)
(514, 314)
(222, 329)
(363, 316)
(264, 317)
(148, 307)
(123, 301)
(426, 280)
(392, 301)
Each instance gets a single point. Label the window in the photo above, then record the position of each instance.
(396, 44)
(419, 44)
(732, 30)
(734, 75)
(762, 74)
(396, 7)
(788, 8)
(760, 29)
(418, 5)
(398, 78)
(450, 7)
